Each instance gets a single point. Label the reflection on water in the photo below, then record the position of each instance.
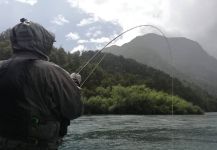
(132, 132)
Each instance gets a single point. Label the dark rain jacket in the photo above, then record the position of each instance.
(37, 97)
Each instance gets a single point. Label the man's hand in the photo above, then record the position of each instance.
(76, 77)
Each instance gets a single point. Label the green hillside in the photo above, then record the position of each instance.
(116, 70)
(190, 61)
(127, 76)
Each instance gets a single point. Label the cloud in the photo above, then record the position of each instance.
(60, 20)
(4, 2)
(93, 33)
(93, 19)
(87, 21)
(92, 28)
(128, 13)
(95, 40)
(82, 41)
(194, 19)
(79, 48)
(97, 33)
(30, 2)
(72, 36)
(88, 34)
(100, 40)
(73, 3)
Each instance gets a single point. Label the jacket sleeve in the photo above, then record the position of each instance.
(65, 93)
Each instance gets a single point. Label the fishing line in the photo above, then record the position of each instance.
(139, 26)
(104, 55)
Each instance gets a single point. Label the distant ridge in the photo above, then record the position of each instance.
(191, 62)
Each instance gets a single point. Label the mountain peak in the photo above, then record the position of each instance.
(188, 56)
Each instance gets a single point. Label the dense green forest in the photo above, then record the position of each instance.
(137, 99)
(124, 86)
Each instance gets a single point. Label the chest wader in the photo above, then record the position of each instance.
(20, 128)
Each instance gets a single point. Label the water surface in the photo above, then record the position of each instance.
(132, 132)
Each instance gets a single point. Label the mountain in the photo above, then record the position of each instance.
(117, 70)
(187, 58)
(116, 77)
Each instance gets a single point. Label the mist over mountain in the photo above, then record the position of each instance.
(187, 59)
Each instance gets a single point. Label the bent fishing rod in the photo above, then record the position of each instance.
(104, 55)
(139, 26)
(130, 29)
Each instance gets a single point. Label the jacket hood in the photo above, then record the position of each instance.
(31, 37)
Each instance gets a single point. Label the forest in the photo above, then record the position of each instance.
(124, 86)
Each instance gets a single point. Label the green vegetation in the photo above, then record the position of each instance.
(136, 100)
(116, 70)
(5, 49)
(147, 90)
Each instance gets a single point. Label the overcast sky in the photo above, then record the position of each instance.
(90, 24)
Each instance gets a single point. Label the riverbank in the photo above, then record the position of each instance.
(137, 100)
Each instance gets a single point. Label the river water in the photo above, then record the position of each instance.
(133, 132)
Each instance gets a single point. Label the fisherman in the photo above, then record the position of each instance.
(37, 98)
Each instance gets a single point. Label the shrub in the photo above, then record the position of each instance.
(137, 99)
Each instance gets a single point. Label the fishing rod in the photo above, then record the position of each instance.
(104, 55)
(139, 26)
(130, 29)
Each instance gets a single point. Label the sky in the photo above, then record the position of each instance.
(90, 24)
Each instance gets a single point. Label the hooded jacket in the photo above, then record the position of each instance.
(32, 87)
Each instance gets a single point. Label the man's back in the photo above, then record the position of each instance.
(37, 98)
(12, 117)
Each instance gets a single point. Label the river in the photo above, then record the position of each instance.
(145, 132)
